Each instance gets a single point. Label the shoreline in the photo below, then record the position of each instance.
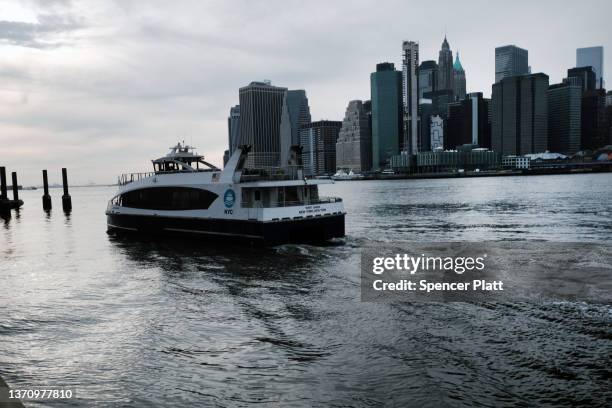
(492, 173)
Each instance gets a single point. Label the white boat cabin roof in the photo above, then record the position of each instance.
(182, 157)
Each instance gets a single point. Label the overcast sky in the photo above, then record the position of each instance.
(102, 87)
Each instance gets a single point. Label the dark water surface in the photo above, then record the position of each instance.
(176, 323)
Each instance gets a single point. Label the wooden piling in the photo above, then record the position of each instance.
(3, 195)
(66, 200)
(15, 186)
(46, 198)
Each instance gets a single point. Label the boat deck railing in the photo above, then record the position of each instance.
(272, 174)
(276, 204)
(124, 179)
(131, 177)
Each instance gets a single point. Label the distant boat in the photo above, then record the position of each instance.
(343, 175)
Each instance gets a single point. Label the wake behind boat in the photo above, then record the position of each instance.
(186, 195)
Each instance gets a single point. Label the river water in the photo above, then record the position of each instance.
(179, 323)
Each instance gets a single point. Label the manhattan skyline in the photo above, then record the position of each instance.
(104, 87)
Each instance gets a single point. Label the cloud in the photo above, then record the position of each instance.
(43, 34)
(120, 81)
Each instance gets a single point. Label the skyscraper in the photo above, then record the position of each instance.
(609, 118)
(510, 61)
(469, 122)
(233, 129)
(585, 77)
(564, 117)
(295, 114)
(428, 77)
(354, 145)
(519, 115)
(299, 112)
(318, 140)
(436, 132)
(592, 57)
(445, 67)
(594, 132)
(458, 80)
(425, 111)
(261, 106)
(410, 95)
(387, 110)
(439, 101)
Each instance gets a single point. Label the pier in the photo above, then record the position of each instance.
(7, 204)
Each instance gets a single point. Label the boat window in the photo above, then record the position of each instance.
(291, 194)
(168, 198)
(314, 192)
(257, 195)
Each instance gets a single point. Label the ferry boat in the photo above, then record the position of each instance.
(186, 195)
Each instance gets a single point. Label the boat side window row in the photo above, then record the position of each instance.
(167, 198)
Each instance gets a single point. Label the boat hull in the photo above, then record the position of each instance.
(313, 229)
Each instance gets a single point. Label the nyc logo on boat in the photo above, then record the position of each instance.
(229, 198)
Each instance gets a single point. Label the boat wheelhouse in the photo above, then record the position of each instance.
(187, 195)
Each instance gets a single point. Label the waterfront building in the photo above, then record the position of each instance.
(233, 128)
(445, 67)
(609, 98)
(481, 158)
(592, 57)
(469, 122)
(453, 160)
(519, 123)
(387, 113)
(510, 61)
(594, 130)
(402, 163)
(564, 117)
(439, 161)
(295, 114)
(437, 132)
(261, 106)
(585, 77)
(318, 140)
(516, 162)
(459, 88)
(410, 95)
(354, 145)
(428, 77)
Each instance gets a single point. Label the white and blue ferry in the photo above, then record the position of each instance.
(186, 195)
